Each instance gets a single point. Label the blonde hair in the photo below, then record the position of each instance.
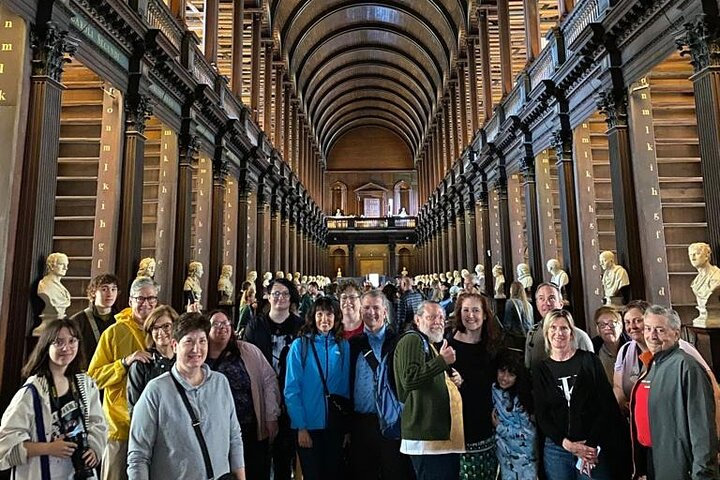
(553, 315)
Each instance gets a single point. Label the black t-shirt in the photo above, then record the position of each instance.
(67, 417)
(474, 364)
(565, 373)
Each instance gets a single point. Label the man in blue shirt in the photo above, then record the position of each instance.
(371, 454)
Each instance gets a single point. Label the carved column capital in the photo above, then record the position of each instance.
(613, 104)
(701, 40)
(49, 48)
(562, 141)
(221, 169)
(189, 147)
(138, 109)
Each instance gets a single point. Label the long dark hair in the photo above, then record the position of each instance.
(39, 361)
(512, 362)
(489, 334)
(323, 304)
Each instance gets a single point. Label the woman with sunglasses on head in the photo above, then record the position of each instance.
(272, 333)
(54, 426)
(158, 339)
(585, 433)
(254, 389)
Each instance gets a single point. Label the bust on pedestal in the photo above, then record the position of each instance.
(192, 291)
(404, 272)
(225, 286)
(53, 293)
(267, 277)
(523, 276)
(497, 272)
(480, 272)
(704, 285)
(614, 278)
(147, 267)
(558, 276)
(339, 273)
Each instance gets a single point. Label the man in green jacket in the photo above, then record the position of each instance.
(672, 407)
(431, 422)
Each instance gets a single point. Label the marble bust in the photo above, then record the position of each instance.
(404, 272)
(192, 291)
(267, 277)
(558, 276)
(704, 285)
(523, 275)
(279, 274)
(147, 267)
(339, 273)
(251, 276)
(499, 276)
(52, 292)
(225, 286)
(614, 278)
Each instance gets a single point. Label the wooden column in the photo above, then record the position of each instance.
(189, 149)
(275, 238)
(702, 38)
(484, 240)
(565, 7)
(455, 125)
(461, 237)
(286, 123)
(471, 242)
(503, 11)
(451, 241)
(278, 135)
(255, 67)
(527, 169)
(532, 29)
(212, 13)
(292, 243)
(613, 104)
(137, 110)
(267, 90)
(36, 205)
(217, 227)
(501, 186)
(472, 86)
(247, 232)
(285, 238)
(177, 8)
(462, 93)
(237, 47)
(264, 227)
(569, 218)
(484, 39)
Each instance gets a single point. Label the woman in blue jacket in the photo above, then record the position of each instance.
(319, 353)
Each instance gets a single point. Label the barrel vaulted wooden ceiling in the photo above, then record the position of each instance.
(387, 63)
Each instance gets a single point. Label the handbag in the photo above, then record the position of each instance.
(201, 440)
(338, 407)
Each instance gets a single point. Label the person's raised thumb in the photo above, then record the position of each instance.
(444, 344)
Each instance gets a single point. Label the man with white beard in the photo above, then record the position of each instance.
(431, 422)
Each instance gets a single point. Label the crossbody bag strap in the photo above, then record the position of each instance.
(93, 324)
(317, 360)
(40, 431)
(196, 427)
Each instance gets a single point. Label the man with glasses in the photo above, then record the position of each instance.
(548, 298)
(122, 344)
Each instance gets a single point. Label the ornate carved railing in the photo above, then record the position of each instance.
(543, 68)
(202, 71)
(584, 13)
(157, 15)
(377, 223)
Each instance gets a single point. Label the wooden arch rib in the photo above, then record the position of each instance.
(376, 54)
(364, 121)
(349, 92)
(370, 102)
(377, 73)
(382, 110)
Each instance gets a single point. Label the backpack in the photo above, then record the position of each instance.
(386, 400)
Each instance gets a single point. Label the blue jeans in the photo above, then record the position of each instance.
(560, 464)
(436, 467)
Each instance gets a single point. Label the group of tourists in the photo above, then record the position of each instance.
(361, 384)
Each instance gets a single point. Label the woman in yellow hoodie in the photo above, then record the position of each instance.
(119, 347)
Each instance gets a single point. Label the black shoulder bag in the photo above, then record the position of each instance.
(338, 408)
(196, 426)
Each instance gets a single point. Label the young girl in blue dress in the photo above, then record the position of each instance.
(512, 417)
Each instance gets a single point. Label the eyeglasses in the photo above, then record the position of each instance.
(167, 327)
(351, 298)
(62, 342)
(602, 325)
(219, 325)
(280, 294)
(149, 300)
